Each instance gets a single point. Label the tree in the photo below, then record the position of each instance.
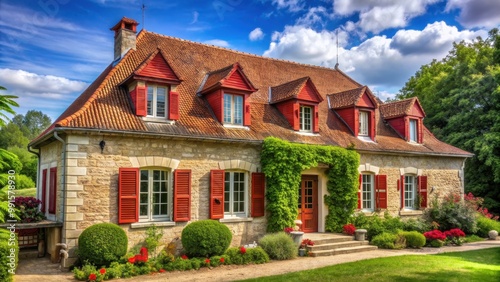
(32, 124)
(6, 104)
(461, 97)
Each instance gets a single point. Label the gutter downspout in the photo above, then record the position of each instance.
(63, 184)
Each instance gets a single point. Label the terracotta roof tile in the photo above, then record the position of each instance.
(398, 108)
(105, 105)
(287, 90)
(347, 98)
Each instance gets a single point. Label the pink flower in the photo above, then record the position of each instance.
(102, 271)
(243, 250)
(92, 277)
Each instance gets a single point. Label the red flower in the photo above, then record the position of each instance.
(162, 270)
(349, 229)
(92, 277)
(131, 260)
(288, 230)
(102, 271)
(221, 260)
(455, 232)
(435, 235)
(184, 257)
(243, 250)
(207, 261)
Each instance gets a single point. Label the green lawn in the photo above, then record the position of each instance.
(480, 265)
(28, 192)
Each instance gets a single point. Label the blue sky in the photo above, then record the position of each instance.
(50, 50)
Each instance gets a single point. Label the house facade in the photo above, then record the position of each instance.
(171, 132)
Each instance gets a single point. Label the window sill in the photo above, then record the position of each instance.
(235, 126)
(149, 224)
(158, 120)
(305, 133)
(365, 139)
(411, 212)
(236, 219)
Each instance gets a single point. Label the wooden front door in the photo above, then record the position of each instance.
(308, 203)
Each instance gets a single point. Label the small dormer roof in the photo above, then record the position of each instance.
(351, 98)
(410, 106)
(292, 90)
(223, 78)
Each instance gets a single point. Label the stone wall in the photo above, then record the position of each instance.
(444, 176)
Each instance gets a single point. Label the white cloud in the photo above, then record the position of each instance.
(378, 15)
(291, 5)
(217, 42)
(47, 92)
(476, 13)
(314, 15)
(256, 34)
(381, 62)
(195, 17)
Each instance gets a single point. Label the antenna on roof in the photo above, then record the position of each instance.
(337, 64)
(143, 8)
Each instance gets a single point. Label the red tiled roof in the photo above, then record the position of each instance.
(398, 108)
(106, 105)
(349, 98)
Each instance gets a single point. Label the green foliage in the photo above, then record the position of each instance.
(9, 161)
(485, 225)
(436, 243)
(205, 238)
(153, 237)
(419, 225)
(255, 255)
(451, 213)
(279, 246)
(414, 239)
(376, 225)
(387, 240)
(6, 104)
(8, 260)
(22, 181)
(102, 243)
(28, 160)
(283, 163)
(461, 98)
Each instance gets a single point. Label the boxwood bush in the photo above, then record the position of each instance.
(206, 238)
(6, 261)
(414, 239)
(279, 246)
(387, 240)
(255, 255)
(101, 244)
(485, 225)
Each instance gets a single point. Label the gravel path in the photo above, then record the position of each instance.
(41, 270)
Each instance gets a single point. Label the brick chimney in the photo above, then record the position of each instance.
(125, 36)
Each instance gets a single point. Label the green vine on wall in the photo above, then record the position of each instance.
(283, 163)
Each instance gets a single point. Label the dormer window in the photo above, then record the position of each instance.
(306, 118)
(363, 123)
(157, 101)
(233, 109)
(406, 118)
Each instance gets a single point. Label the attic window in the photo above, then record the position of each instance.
(306, 118)
(363, 123)
(157, 101)
(413, 130)
(233, 109)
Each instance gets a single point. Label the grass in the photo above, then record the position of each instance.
(28, 192)
(480, 265)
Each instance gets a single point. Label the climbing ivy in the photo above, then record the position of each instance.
(283, 163)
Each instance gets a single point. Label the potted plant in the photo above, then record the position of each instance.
(303, 246)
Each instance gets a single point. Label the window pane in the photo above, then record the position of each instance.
(227, 192)
(144, 186)
(160, 101)
(163, 209)
(150, 100)
(144, 174)
(156, 175)
(156, 186)
(156, 198)
(238, 109)
(305, 118)
(227, 108)
(144, 210)
(413, 130)
(156, 209)
(363, 123)
(144, 198)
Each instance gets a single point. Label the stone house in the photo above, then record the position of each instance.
(171, 132)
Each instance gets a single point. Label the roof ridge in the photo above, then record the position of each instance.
(251, 55)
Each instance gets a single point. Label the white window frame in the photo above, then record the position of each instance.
(231, 108)
(306, 123)
(413, 130)
(230, 213)
(364, 118)
(410, 192)
(367, 192)
(150, 217)
(152, 101)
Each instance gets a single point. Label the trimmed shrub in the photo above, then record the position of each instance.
(101, 244)
(206, 238)
(258, 255)
(485, 225)
(8, 260)
(279, 246)
(389, 241)
(419, 225)
(414, 239)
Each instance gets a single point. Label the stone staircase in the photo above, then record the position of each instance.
(328, 244)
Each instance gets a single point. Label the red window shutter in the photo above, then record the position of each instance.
(296, 117)
(217, 194)
(381, 191)
(422, 190)
(258, 194)
(316, 120)
(401, 186)
(420, 137)
(44, 190)
(247, 118)
(173, 105)
(128, 195)
(141, 101)
(356, 122)
(359, 190)
(182, 195)
(52, 190)
(372, 125)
